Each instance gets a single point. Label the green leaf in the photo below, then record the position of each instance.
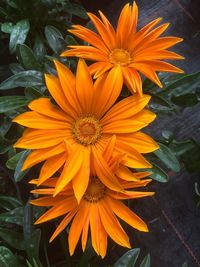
(146, 261)
(8, 103)
(27, 58)
(23, 79)
(186, 84)
(6, 27)
(168, 158)
(9, 203)
(14, 239)
(16, 68)
(18, 34)
(14, 216)
(160, 103)
(12, 162)
(7, 258)
(32, 93)
(128, 259)
(39, 49)
(55, 39)
(186, 100)
(19, 174)
(158, 174)
(181, 147)
(70, 40)
(31, 237)
(5, 126)
(77, 10)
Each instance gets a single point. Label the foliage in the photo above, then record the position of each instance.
(32, 34)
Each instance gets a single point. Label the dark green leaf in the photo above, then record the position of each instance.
(23, 79)
(158, 174)
(146, 262)
(14, 239)
(187, 100)
(13, 216)
(39, 49)
(181, 147)
(70, 40)
(158, 102)
(5, 126)
(16, 68)
(32, 93)
(6, 27)
(55, 39)
(27, 58)
(12, 162)
(31, 237)
(8, 103)
(18, 34)
(19, 174)
(7, 258)
(128, 259)
(168, 158)
(186, 84)
(9, 203)
(77, 10)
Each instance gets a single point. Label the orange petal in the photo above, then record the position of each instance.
(139, 141)
(103, 171)
(55, 89)
(45, 107)
(81, 179)
(71, 168)
(63, 224)
(63, 207)
(124, 213)
(126, 108)
(68, 83)
(51, 166)
(77, 226)
(107, 89)
(84, 87)
(104, 33)
(37, 139)
(42, 154)
(112, 225)
(35, 120)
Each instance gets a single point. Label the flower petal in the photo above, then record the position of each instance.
(124, 213)
(35, 120)
(84, 87)
(45, 107)
(81, 179)
(107, 90)
(126, 108)
(112, 225)
(77, 226)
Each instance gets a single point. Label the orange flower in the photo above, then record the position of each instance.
(135, 52)
(97, 210)
(84, 129)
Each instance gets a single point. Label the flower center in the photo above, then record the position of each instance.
(95, 191)
(87, 130)
(120, 56)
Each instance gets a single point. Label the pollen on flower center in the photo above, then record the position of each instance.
(120, 56)
(87, 130)
(95, 191)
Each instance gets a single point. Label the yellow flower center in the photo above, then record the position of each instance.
(95, 191)
(87, 130)
(120, 56)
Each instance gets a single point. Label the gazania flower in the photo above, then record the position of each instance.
(135, 52)
(76, 136)
(97, 210)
